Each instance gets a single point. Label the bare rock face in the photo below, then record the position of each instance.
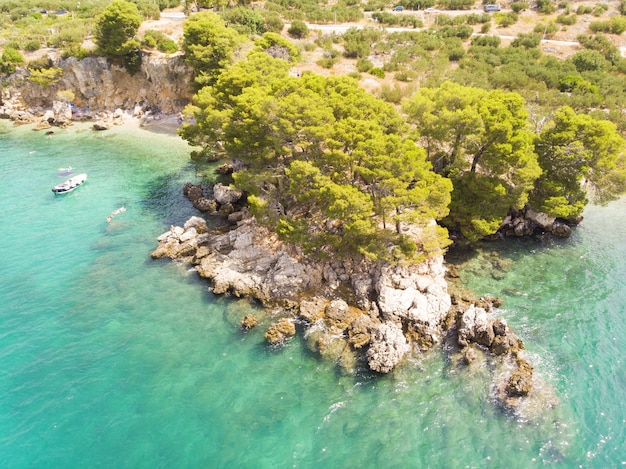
(416, 294)
(161, 84)
(388, 346)
(247, 262)
(339, 316)
(280, 331)
(312, 309)
(226, 194)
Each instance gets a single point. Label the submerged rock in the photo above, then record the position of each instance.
(248, 322)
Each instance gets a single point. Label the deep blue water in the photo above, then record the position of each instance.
(111, 359)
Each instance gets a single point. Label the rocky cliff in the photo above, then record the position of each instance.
(161, 85)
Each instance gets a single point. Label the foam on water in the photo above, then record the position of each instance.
(111, 359)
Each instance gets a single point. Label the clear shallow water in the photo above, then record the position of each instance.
(110, 359)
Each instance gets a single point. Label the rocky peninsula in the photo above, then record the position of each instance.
(360, 315)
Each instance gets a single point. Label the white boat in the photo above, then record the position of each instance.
(70, 184)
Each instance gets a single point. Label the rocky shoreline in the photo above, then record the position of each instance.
(358, 314)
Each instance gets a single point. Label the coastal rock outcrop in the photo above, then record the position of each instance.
(250, 261)
(527, 221)
(225, 201)
(352, 311)
(280, 331)
(388, 346)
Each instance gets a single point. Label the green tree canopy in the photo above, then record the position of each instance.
(481, 140)
(208, 45)
(115, 29)
(579, 155)
(327, 164)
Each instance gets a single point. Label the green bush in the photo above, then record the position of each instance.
(405, 75)
(168, 46)
(568, 20)
(589, 60)
(32, 45)
(45, 77)
(273, 23)
(505, 19)
(364, 65)
(245, 20)
(298, 29)
(527, 41)
(327, 62)
(10, 59)
(546, 30)
(40, 63)
(584, 10)
(545, 6)
(74, 50)
(486, 41)
(377, 72)
(519, 6)
(148, 42)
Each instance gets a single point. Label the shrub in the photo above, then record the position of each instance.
(405, 75)
(46, 76)
(527, 41)
(456, 53)
(10, 59)
(364, 65)
(505, 19)
(486, 41)
(273, 23)
(392, 94)
(298, 29)
(245, 20)
(32, 45)
(545, 6)
(167, 46)
(588, 60)
(148, 42)
(74, 50)
(40, 63)
(566, 19)
(519, 6)
(584, 10)
(377, 72)
(327, 62)
(546, 30)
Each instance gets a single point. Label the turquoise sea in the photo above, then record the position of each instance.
(109, 359)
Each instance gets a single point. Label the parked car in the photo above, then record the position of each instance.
(492, 7)
(398, 8)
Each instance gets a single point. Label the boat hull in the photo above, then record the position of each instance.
(70, 184)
